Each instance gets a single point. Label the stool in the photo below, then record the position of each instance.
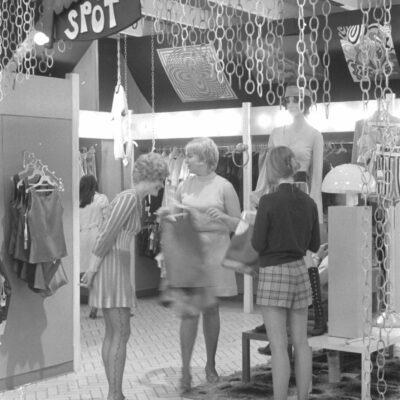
(246, 337)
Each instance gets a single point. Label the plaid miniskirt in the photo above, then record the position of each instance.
(286, 285)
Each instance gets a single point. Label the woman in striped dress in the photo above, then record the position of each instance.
(109, 273)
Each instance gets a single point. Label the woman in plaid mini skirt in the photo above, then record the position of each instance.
(286, 226)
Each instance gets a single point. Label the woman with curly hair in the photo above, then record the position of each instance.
(109, 275)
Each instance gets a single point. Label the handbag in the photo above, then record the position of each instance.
(241, 256)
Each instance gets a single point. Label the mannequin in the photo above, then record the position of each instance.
(305, 141)
(368, 133)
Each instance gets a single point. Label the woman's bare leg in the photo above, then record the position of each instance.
(119, 319)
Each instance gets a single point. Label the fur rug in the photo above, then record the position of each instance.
(260, 387)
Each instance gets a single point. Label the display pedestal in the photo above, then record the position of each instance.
(350, 249)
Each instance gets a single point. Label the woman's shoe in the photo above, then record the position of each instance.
(211, 375)
(186, 383)
(93, 313)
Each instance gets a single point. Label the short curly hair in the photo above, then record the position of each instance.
(150, 167)
(206, 149)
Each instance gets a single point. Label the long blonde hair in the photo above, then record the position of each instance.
(281, 164)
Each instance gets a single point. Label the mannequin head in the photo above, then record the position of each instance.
(281, 164)
(291, 100)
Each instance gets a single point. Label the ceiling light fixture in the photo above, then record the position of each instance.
(40, 38)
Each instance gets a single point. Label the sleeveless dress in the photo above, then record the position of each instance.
(201, 193)
(91, 218)
(112, 284)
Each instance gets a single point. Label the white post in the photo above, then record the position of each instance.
(247, 185)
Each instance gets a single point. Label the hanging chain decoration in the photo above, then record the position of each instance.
(126, 65)
(388, 65)
(203, 28)
(184, 27)
(211, 32)
(326, 58)
(192, 33)
(270, 70)
(260, 52)
(378, 56)
(158, 25)
(175, 27)
(280, 53)
(153, 93)
(219, 37)
(229, 36)
(119, 59)
(239, 70)
(301, 50)
(365, 82)
(313, 23)
(249, 86)
(17, 48)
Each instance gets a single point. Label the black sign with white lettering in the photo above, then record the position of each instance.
(94, 19)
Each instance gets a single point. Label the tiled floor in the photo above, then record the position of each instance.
(153, 361)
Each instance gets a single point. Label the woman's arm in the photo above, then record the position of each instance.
(316, 178)
(120, 212)
(260, 232)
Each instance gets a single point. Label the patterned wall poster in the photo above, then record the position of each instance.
(381, 51)
(192, 74)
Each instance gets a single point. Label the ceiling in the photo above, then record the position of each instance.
(168, 92)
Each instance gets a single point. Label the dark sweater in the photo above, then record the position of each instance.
(286, 226)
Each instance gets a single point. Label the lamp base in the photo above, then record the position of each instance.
(351, 199)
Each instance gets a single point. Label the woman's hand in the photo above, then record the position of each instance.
(215, 214)
(87, 278)
(323, 251)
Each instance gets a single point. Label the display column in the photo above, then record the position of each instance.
(349, 232)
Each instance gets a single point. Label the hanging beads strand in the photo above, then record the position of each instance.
(314, 57)
(280, 53)
(270, 70)
(153, 92)
(260, 52)
(326, 58)
(301, 50)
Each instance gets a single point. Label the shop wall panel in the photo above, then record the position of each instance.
(38, 341)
